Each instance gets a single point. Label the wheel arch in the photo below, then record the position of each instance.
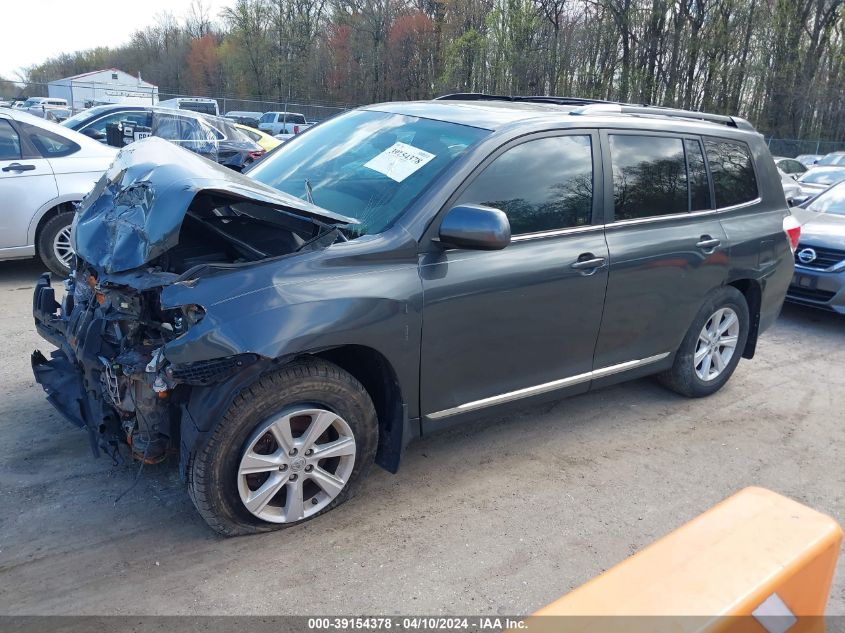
(47, 212)
(375, 372)
(753, 293)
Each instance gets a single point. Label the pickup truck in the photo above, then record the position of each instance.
(282, 124)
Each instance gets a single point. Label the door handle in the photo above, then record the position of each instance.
(588, 261)
(18, 167)
(708, 243)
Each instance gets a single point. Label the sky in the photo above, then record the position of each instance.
(34, 30)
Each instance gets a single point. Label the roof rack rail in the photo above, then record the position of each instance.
(626, 108)
(601, 106)
(480, 96)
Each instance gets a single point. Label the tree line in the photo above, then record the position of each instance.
(779, 63)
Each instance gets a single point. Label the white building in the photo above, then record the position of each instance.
(103, 86)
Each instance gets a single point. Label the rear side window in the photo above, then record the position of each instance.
(732, 171)
(649, 176)
(48, 144)
(541, 185)
(10, 144)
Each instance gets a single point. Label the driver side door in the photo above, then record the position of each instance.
(499, 326)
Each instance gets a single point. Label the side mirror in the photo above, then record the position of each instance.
(477, 227)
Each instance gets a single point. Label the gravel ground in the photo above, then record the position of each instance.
(498, 517)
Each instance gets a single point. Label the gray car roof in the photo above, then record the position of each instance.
(495, 115)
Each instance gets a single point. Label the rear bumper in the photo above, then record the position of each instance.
(818, 289)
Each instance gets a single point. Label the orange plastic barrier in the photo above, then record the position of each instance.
(755, 562)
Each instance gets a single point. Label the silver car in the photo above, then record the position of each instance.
(815, 180)
(44, 170)
(819, 278)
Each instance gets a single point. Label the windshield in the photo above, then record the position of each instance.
(823, 176)
(830, 201)
(832, 159)
(30, 102)
(367, 165)
(81, 117)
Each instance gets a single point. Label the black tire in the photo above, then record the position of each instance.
(682, 377)
(213, 483)
(46, 237)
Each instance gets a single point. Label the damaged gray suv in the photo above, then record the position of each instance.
(399, 268)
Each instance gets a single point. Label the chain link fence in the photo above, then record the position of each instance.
(82, 94)
(790, 147)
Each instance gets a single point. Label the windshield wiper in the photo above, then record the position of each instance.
(309, 192)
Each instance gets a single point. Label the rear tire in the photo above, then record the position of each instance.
(294, 488)
(54, 244)
(712, 346)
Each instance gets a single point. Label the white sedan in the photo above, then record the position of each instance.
(45, 169)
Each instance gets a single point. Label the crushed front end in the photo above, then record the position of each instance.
(109, 375)
(162, 220)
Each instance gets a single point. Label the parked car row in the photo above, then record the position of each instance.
(216, 138)
(808, 174)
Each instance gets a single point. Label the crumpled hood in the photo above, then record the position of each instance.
(136, 209)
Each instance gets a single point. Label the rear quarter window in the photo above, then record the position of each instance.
(734, 181)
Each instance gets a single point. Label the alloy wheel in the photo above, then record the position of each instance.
(295, 464)
(716, 344)
(62, 248)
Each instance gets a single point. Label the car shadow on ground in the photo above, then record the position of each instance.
(832, 322)
(21, 274)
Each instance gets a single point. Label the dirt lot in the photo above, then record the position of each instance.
(499, 517)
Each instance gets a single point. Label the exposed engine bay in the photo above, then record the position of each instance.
(146, 227)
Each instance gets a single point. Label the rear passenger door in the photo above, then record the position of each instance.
(503, 325)
(667, 247)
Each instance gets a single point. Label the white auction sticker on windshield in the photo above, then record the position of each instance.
(399, 161)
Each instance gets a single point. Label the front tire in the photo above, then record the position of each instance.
(295, 444)
(54, 247)
(712, 346)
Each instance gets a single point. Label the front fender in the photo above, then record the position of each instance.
(380, 310)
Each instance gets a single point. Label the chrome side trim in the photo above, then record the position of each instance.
(554, 233)
(546, 387)
(686, 214)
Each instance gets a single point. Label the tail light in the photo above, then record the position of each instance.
(792, 228)
(296, 129)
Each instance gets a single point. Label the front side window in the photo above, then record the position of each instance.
(267, 117)
(541, 185)
(48, 144)
(732, 171)
(99, 126)
(649, 176)
(167, 127)
(790, 166)
(366, 164)
(10, 143)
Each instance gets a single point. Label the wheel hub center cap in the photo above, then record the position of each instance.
(298, 464)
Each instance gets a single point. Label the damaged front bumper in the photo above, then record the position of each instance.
(92, 380)
(109, 375)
